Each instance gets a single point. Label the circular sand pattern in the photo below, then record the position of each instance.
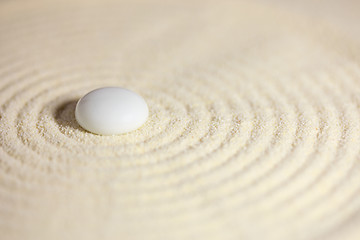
(254, 128)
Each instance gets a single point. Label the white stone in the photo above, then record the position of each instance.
(111, 110)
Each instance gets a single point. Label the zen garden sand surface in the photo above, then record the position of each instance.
(253, 129)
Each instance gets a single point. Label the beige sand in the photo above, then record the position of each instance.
(254, 130)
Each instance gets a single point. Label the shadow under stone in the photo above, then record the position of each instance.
(64, 115)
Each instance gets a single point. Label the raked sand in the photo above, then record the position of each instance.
(254, 128)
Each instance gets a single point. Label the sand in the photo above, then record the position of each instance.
(254, 128)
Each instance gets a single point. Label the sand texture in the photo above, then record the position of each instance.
(254, 127)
